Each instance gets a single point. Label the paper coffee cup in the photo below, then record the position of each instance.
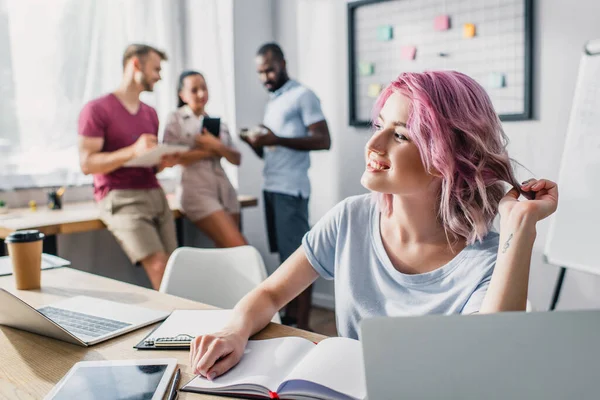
(25, 251)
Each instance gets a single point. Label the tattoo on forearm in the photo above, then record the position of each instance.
(507, 244)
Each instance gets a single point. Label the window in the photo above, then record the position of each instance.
(57, 55)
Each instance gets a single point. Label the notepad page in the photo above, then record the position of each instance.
(192, 322)
(335, 363)
(265, 363)
(153, 156)
(48, 261)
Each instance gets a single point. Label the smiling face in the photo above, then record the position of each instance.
(148, 71)
(194, 92)
(394, 164)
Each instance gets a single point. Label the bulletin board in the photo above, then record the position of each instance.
(491, 41)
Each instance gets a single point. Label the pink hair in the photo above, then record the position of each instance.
(459, 136)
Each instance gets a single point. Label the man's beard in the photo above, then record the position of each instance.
(146, 85)
(278, 83)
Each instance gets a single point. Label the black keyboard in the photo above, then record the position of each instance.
(82, 324)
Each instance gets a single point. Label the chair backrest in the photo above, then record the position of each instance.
(219, 277)
(529, 306)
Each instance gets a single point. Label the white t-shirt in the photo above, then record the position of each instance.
(346, 246)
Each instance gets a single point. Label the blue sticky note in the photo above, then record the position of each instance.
(366, 68)
(496, 80)
(385, 33)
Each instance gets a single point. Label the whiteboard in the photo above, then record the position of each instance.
(498, 55)
(574, 237)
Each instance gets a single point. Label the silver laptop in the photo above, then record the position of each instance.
(543, 355)
(80, 320)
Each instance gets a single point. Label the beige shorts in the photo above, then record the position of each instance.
(200, 203)
(141, 221)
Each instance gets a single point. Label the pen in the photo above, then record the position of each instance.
(174, 384)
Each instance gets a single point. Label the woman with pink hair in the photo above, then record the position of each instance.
(422, 243)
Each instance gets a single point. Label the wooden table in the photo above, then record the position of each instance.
(75, 218)
(31, 364)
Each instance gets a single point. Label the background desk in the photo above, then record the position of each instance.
(31, 364)
(74, 218)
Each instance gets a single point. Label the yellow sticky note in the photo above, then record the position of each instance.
(374, 90)
(469, 30)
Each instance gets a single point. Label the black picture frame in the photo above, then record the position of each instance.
(526, 114)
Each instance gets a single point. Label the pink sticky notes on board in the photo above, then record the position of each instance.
(408, 52)
(441, 23)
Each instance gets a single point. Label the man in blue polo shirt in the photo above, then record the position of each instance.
(293, 125)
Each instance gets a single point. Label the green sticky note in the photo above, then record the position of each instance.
(385, 33)
(496, 80)
(366, 68)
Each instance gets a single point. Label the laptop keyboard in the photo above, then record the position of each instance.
(82, 324)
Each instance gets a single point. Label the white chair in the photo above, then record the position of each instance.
(219, 277)
(529, 307)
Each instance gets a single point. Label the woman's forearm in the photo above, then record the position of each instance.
(257, 308)
(230, 154)
(195, 155)
(253, 312)
(510, 280)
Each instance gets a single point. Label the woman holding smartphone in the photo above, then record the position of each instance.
(206, 196)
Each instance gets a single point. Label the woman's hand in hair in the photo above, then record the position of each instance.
(544, 201)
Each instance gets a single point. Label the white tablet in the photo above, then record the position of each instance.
(115, 380)
(152, 157)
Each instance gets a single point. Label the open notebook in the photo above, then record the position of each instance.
(292, 368)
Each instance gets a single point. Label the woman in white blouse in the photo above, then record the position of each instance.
(205, 193)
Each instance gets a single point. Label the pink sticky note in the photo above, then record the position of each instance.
(408, 52)
(441, 23)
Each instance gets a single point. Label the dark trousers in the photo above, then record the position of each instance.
(287, 223)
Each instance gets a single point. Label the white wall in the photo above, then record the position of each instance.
(253, 26)
(561, 28)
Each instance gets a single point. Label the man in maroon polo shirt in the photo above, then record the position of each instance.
(113, 129)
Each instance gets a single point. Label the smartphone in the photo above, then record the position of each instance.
(213, 125)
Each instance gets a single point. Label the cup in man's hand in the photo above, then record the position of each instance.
(252, 133)
(25, 251)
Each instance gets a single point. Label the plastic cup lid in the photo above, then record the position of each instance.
(24, 236)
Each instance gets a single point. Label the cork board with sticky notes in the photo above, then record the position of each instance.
(491, 41)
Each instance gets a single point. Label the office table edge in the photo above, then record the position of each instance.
(90, 224)
(120, 347)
